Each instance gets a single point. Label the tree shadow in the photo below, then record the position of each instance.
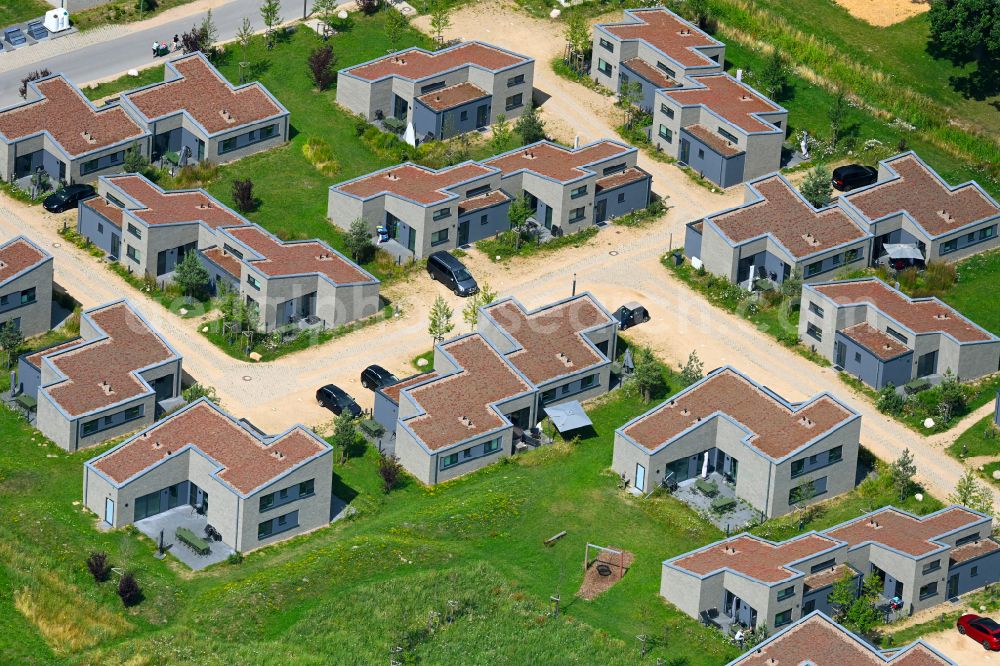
(980, 84)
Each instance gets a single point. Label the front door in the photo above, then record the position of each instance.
(841, 354)
(685, 151)
(482, 116)
(953, 586)
(548, 217)
(201, 150)
(109, 511)
(116, 246)
(640, 477)
(601, 211)
(399, 108)
(463, 232)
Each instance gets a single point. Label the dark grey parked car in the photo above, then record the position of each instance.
(850, 176)
(337, 400)
(375, 377)
(449, 271)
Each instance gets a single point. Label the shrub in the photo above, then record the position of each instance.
(243, 195)
(99, 566)
(321, 156)
(235, 558)
(889, 401)
(321, 62)
(367, 7)
(129, 590)
(390, 471)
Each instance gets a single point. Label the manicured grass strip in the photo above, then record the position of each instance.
(974, 294)
(982, 439)
(19, 11)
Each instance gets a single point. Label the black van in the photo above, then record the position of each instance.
(449, 271)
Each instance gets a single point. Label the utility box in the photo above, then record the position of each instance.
(56, 20)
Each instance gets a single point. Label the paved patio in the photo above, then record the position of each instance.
(732, 520)
(183, 516)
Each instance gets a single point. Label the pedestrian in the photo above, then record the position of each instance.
(156, 48)
(177, 42)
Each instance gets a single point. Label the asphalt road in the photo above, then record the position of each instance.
(106, 52)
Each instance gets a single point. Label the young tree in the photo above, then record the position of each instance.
(396, 24)
(965, 31)
(773, 78)
(530, 126)
(440, 323)
(190, 275)
(270, 13)
(250, 316)
(699, 12)
(629, 95)
(368, 7)
(500, 141)
(33, 76)
(577, 33)
(98, 566)
(358, 240)
(344, 434)
(470, 313)
(192, 41)
(843, 595)
(791, 288)
(817, 186)
(647, 375)
(321, 62)
(209, 35)
(389, 470)
(836, 115)
(197, 391)
(129, 590)
(863, 615)
(971, 492)
(135, 161)
(11, 339)
(902, 470)
(325, 9)
(243, 37)
(243, 195)
(693, 370)
(440, 20)
(228, 302)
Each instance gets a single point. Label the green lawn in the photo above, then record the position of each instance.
(18, 11)
(973, 293)
(109, 88)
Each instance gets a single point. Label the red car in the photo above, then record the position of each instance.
(983, 630)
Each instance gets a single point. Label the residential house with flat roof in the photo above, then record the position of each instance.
(440, 93)
(25, 286)
(490, 388)
(655, 48)
(108, 382)
(195, 114)
(255, 489)
(571, 188)
(882, 336)
(289, 281)
(922, 560)
(819, 641)
(911, 204)
(424, 210)
(58, 130)
(720, 127)
(774, 233)
(777, 455)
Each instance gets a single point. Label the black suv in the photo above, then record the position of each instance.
(337, 400)
(67, 198)
(850, 176)
(375, 377)
(630, 314)
(449, 271)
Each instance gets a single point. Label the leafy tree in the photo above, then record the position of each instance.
(902, 470)
(358, 240)
(321, 62)
(344, 434)
(368, 7)
(530, 126)
(33, 76)
(863, 615)
(773, 78)
(193, 40)
(440, 323)
(518, 213)
(791, 288)
(817, 186)
(243, 195)
(390, 471)
(11, 339)
(470, 313)
(968, 31)
(250, 316)
(396, 24)
(843, 595)
(889, 401)
(197, 391)
(440, 20)
(98, 566)
(973, 493)
(227, 302)
(135, 161)
(836, 115)
(500, 141)
(699, 11)
(952, 395)
(803, 492)
(629, 95)
(325, 9)
(577, 32)
(191, 276)
(129, 590)
(243, 37)
(209, 35)
(647, 375)
(693, 370)
(270, 12)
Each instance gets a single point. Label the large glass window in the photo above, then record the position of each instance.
(439, 237)
(603, 67)
(666, 133)
(783, 618)
(928, 590)
(577, 214)
(606, 45)
(515, 101)
(786, 593)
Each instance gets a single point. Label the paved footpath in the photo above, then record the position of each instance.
(106, 52)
